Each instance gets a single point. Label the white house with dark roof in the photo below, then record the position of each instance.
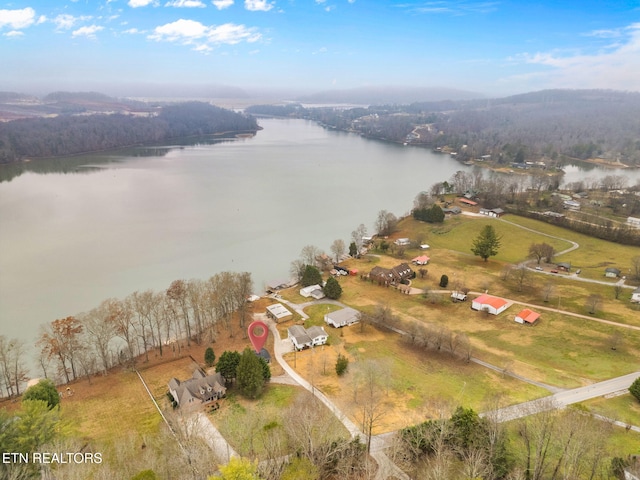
(635, 295)
(200, 389)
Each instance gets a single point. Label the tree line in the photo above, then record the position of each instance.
(551, 123)
(74, 134)
(118, 331)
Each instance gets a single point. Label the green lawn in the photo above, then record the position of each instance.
(458, 233)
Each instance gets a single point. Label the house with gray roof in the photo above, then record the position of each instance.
(200, 389)
(611, 272)
(306, 337)
(342, 318)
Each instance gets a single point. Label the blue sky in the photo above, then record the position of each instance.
(493, 47)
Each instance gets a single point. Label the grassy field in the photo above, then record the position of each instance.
(593, 256)
(416, 383)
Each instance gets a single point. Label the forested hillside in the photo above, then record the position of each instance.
(72, 134)
(549, 124)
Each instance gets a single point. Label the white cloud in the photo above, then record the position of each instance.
(140, 3)
(133, 31)
(222, 4)
(450, 7)
(89, 32)
(185, 4)
(179, 30)
(203, 37)
(66, 22)
(614, 67)
(14, 34)
(258, 5)
(17, 19)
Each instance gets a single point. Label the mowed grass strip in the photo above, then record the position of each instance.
(623, 408)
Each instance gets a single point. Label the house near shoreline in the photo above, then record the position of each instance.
(490, 304)
(199, 390)
(391, 276)
(314, 291)
(342, 318)
(527, 316)
(278, 312)
(302, 338)
(492, 212)
(633, 222)
(402, 242)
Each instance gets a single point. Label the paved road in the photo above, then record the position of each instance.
(386, 468)
(564, 398)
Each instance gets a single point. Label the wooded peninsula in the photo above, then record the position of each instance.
(84, 129)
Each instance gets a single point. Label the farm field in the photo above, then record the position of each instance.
(417, 385)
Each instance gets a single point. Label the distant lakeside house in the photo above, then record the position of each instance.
(391, 276)
(492, 212)
(313, 291)
(199, 390)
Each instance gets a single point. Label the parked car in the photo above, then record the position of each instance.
(554, 271)
(539, 268)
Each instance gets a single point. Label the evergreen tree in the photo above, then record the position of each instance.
(342, 363)
(444, 281)
(228, 364)
(209, 357)
(332, 289)
(44, 390)
(311, 276)
(353, 249)
(266, 369)
(437, 215)
(487, 243)
(634, 389)
(250, 374)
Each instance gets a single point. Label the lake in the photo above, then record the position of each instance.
(142, 218)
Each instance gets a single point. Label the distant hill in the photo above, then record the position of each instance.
(389, 95)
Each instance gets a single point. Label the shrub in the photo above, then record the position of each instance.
(444, 281)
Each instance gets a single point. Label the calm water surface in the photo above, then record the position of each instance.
(139, 221)
(70, 240)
